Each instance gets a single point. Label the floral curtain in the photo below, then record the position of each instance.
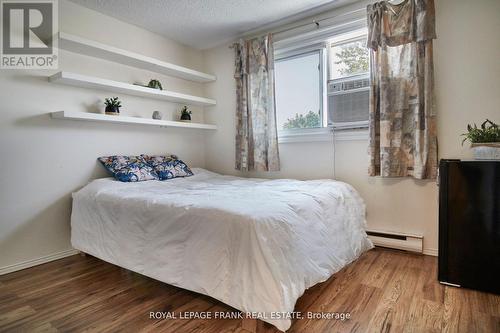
(256, 134)
(402, 126)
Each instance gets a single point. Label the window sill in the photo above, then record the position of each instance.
(305, 135)
(351, 134)
(321, 135)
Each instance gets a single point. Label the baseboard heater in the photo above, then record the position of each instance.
(393, 240)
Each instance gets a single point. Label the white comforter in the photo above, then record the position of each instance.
(254, 244)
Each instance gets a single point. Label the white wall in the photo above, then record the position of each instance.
(467, 90)
(44, 160)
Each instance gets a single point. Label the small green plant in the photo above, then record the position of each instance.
(309, 120)
(155, 84)
(185, 111)
(113, 102)
(488, 132)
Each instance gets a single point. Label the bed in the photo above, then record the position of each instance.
(253, 244)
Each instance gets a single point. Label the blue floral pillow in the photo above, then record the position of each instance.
(128, 168)
(168, 167)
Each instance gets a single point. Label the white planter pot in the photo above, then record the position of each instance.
(486, 151)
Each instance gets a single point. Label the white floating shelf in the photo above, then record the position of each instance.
(95, 49)
(85, 81)
(99, 117)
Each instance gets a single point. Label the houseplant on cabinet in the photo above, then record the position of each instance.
(113, 105)
(485, 140)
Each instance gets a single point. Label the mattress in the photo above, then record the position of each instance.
(253, 244)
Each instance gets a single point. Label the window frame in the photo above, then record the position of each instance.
(313, 133)
(322, 38)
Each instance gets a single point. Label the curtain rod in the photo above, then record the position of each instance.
(315, 22)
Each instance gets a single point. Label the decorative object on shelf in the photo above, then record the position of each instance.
(112, 106)
(485, 141)
(157, 115)
(155, 84)
(186, 114)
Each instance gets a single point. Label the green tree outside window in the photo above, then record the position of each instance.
(311, 119)
(354, 57)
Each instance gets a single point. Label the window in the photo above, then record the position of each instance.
(349, 85)
(299, 91)
(322, 84)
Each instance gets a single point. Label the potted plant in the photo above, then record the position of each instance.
(113, 105)
(186, 114)
(485, 140)
(155, 84)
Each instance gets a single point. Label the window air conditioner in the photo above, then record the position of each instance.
(348, 102)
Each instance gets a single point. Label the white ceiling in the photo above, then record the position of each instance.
(206, 23)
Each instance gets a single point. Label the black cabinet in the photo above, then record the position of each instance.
(469, 224)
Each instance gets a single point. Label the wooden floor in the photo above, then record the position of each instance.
(384, 291)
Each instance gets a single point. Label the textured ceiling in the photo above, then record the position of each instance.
(206, 23)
